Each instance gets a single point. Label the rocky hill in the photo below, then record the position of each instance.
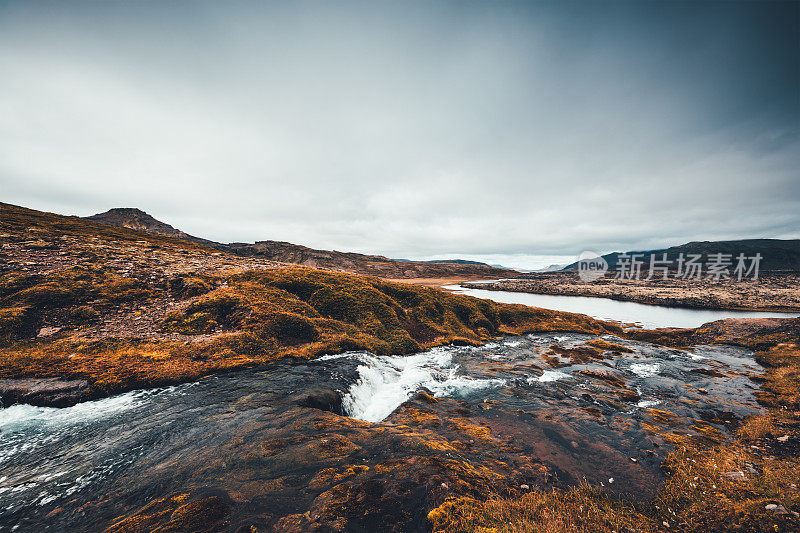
(372, 265)
(284, 252)
(133, 218)
(136, 219)
(118, 309)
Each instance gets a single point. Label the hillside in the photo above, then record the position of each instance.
(117, 309)
(777, 254)
(371, 265)
(284, 252)
(89, 310)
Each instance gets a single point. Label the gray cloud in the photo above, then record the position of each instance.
(411, 129)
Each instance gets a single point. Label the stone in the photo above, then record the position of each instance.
(43, 392)
(48, 331)
(735, 476)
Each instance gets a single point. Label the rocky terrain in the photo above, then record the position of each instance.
(773, 291)
(284, 252)
(151, 383)
(123, 309)
(136, 219)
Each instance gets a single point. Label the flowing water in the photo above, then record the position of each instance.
(259, 437)
(645, 315)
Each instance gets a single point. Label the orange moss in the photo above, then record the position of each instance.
(664, 417)
(609, 346)
(480, 433)
(250, 319)
(332, 476)
(578, 510)
(177, 512)
(581, 354)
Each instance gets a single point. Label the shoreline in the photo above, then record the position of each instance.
(705, 296)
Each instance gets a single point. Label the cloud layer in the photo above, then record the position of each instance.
(410, 130)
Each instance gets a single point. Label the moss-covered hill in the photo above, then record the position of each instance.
(222, 323)
(122, 332)
(121, 308)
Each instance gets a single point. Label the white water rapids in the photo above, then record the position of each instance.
(385, 382)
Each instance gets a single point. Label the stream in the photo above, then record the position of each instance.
(259, 439)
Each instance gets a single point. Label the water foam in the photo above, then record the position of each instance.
(20, 417)
(645, 370)
(549, 375)
(385, 382)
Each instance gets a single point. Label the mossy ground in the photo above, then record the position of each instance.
(229, 316)
(246, 319)
(748, 482)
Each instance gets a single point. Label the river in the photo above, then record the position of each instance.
(269, 443)
(644, 315)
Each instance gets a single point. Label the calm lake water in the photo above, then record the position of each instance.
(648, 316)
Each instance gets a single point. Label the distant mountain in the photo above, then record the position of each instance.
(777, 254)
(455, 261)
(551, 268)
(373, 265)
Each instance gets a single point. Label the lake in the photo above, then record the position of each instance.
(648, 316)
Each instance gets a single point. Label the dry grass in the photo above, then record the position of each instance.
(728, 487)
(579, 510)
(609, 346)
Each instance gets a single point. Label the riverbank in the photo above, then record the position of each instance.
(555, 431)
(771, 292)
(714, 483)
(88, 311)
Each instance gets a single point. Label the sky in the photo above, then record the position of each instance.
(519, 133)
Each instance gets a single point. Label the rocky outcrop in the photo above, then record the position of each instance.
(132, 218)
(43, 392)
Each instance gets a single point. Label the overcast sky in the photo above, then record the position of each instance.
(475, 129)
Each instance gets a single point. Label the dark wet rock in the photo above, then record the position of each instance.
(708, 372)
(615, 379)
(324, 400)
(43, 392)
(627, 395)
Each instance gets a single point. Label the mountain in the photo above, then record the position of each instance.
(133, 218)
(456, 261)
(777, 254)
(552, 268)
(284, 252)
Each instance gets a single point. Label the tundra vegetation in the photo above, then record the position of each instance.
(121, 309)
